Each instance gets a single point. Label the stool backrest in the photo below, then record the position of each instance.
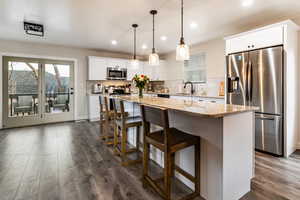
(156, 116)
(118, 106)
(103, 102)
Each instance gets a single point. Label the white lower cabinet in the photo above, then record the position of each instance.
(211, 99)
(195, 98)
(94, 108)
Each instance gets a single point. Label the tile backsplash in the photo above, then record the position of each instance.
(210, 88)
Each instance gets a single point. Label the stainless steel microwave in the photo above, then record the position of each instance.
(116, 73)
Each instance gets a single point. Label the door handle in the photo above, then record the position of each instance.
(266, 118)
(251, 82)
(247, 82)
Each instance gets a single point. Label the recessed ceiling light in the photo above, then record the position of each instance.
(193, 25)
(114, 42)
(163, 38)
(247, 3)
(144, 46)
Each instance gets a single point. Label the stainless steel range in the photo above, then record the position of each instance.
(255, 78)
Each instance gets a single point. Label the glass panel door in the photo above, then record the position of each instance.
(58, 91)
(37, 91)
(21, 91)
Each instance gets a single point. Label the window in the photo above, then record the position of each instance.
(195, 68)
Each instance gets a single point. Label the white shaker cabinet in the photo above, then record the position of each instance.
(97, 68)
(133, 70)
(116, 62)
(94, 108)
(260, 38)
(154, 72)
(147, 70)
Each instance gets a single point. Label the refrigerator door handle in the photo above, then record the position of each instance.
(247, 83)
(250, 82)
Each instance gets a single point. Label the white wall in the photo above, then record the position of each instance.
(215, 63)
(215, 60)
(55, 51)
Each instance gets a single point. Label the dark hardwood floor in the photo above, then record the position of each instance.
(67, 161)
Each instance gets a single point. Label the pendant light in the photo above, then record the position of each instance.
(182, 50)
(153, 57)
(134, 61)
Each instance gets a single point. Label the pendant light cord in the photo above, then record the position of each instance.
(153, 49)
(134, 40)
(181, 38)
(134, 48)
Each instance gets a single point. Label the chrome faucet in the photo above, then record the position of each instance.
(192, 86)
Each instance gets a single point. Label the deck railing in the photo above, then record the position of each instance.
(20, 105)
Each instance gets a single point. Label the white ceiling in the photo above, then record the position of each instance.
(94, 23)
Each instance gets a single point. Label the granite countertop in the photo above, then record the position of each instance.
(188, 95)
(171, 94)
(206, 109)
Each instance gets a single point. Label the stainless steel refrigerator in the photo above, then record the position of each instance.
(255, 78)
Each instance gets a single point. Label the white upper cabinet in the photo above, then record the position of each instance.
(115, 62)
(97, 68)
(147, 70)
(133, 70)
(256, 39)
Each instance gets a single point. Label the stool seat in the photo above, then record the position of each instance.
(178, 140)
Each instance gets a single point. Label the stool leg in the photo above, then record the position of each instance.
(101, 128)
(137, 138)
(105, 130)
(173, 164)
(167, 174)
(197, 167)
(145, 161)
(123, 144)
(116, 140)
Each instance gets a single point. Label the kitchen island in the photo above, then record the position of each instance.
(227, 143)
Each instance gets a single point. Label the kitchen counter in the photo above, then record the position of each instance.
(206, 109)
(187, 95)
(227, 143)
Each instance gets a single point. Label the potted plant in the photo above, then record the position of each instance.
(140, 82)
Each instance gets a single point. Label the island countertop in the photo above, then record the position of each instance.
(206, 109)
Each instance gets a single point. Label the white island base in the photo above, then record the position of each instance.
(227, 152)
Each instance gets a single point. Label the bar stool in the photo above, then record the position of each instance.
(122, 123)
(106, 117)
(169, 140)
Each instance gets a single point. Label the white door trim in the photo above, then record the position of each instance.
(76, 117)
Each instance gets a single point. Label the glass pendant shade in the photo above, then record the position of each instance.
(154, 59)
(135, 63)
(182, 52)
